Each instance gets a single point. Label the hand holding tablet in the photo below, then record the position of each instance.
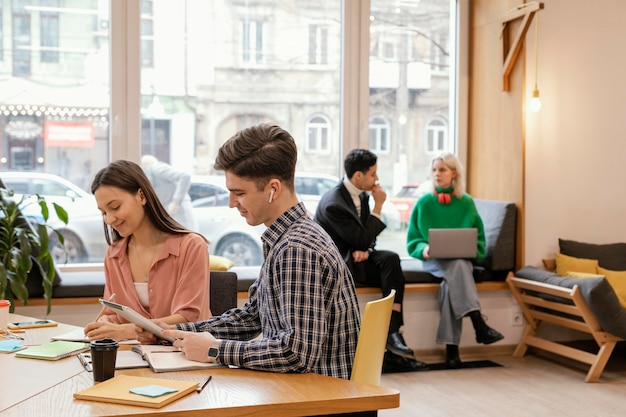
(136, 318)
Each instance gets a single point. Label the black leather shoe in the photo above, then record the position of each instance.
(397, 363)
(487, 335)
(453, 363)
(397, 345)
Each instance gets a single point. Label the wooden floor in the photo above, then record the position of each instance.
(538, 384)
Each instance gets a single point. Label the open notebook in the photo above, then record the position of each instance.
(168, 358)
(78, 335)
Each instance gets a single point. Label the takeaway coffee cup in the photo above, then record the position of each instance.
(4, 314)
(103, 355)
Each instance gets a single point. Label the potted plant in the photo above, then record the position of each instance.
(24, 245)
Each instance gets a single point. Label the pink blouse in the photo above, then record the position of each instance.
(178, 282)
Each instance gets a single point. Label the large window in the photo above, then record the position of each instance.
(185, 76)
(49, 31)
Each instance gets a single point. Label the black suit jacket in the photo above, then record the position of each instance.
(337, 214)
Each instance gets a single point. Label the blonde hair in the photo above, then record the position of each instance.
(455, 165)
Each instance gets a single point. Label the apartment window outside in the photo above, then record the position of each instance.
(379, 135)
(21, 38)
(436, 136)
(318, 135)
(318, 45)
(147, 33)
(439, 51)
(49, 31)
(252, 41)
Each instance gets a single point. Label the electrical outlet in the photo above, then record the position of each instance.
(517, 318)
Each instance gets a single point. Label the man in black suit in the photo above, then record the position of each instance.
(345, 214)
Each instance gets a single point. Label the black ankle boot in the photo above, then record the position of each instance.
(453, 361)
(484, 333)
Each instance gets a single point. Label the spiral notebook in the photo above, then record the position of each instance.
(53, 351)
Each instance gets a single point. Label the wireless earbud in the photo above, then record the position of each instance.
(272, 194)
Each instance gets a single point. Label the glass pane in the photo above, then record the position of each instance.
(222, 66)
(54, 110)
(410, 79)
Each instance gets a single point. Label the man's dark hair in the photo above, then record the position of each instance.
(359, 160)
(260, 153)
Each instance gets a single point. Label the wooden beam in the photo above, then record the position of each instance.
(526, 12)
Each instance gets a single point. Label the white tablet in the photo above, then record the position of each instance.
(136, 318)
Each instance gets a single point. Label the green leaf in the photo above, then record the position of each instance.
(61, 213)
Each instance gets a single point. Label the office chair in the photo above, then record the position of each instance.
(370, 348)
(223, 289)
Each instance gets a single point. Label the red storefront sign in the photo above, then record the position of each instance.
(68, 134)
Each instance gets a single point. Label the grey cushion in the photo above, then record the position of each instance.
(609, 255)
(597, 292)
(500, 222)
(80, 284)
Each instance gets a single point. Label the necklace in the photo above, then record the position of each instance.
(142, 268)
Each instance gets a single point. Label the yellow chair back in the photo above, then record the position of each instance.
(370, 348)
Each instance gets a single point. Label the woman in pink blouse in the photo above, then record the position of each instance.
(153, 264)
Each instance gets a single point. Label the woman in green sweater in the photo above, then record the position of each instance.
(448, 206)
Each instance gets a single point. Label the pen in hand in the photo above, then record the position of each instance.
(203, 384)
(103, 309)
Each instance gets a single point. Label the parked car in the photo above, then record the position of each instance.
(406, 198)
(228, 233)
(83, 235)
(311, 186)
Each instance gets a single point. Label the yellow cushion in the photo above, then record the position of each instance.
(574, 274)
(566, 263)
(617, 279)
(219, 263)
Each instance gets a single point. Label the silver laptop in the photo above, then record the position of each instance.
(453, 243)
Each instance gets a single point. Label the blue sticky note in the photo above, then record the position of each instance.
(152, 390)
(10, 345)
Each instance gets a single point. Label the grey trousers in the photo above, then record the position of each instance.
(458, 296)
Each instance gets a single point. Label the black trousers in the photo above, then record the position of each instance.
(382, 270)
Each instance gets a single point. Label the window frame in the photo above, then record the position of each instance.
(125, 43)
(320, 149)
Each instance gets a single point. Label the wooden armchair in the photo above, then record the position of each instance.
(562, 306)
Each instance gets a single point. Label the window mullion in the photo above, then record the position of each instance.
(125, 124)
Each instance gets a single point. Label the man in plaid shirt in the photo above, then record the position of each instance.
(304, 303)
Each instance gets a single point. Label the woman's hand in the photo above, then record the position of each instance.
(104, 329)
(426, 253)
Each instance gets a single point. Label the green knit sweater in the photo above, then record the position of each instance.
(430, 213)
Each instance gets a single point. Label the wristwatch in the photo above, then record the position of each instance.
(214, 353)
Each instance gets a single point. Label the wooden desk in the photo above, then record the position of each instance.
(232, 392)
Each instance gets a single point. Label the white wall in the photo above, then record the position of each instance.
(421, 318)
(575, 185)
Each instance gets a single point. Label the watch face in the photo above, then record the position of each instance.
(213, 352)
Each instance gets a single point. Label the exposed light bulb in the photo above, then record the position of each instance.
(535, 102)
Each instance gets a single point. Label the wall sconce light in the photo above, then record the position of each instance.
(535, 101)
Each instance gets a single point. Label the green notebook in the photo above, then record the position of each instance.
(53, 351)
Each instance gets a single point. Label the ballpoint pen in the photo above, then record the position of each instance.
(103, 309)
(203, 384)
(84, 362)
